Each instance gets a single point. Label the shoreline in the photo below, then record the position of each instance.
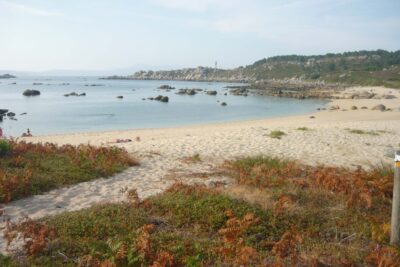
(326, 140)
(345, 114)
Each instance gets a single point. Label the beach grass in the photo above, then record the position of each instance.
(358, 131)
(29, 169)
(316, 216)
(303, 129)
(277, 134)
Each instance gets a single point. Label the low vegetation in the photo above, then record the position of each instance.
(28, 169)
(316, 216)
(277, 134)
(358, 131)
(303, 129)
(192, 159)
(367, 68)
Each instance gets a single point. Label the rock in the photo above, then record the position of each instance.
(7, 76)
(120, 97)
(226, 94)
(211, 92)
(186, 92)
(223, 104)
(353, 108)
(24, 113)
(3, 111)
(11, 114)
(1, 118)
(75, 94)
(239, 92)
(334, 108)
(31, 92)
(37, 83)
(166, 86)
(379, 107)
(160, 98)
(363, 95)
(312, 117)
(389, 97)
(364, 107)
(94, 84)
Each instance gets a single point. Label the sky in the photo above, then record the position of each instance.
(38, 35)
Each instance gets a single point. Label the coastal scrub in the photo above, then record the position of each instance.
(29, 169)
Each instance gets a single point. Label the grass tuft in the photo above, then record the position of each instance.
(277, 134)
(358, 131)
(303, 129)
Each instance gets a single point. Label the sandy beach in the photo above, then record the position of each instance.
(328, 140)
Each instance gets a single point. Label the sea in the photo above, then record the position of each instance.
(101, 110)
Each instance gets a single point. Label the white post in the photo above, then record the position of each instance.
(395, 225)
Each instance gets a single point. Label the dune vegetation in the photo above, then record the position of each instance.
(279, 213)
(29, 169)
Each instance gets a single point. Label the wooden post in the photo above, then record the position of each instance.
(395, 225)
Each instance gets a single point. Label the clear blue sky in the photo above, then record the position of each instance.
(111, 34)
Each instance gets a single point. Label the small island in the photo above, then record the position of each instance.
(7, 76)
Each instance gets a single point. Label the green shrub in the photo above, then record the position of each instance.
(5, 147)
(277, 134)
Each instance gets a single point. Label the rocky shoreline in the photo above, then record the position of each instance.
(293, 88)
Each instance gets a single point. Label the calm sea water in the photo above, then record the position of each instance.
(100, 110)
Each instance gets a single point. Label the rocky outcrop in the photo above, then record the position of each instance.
(30, 92)
(160, 98)
(189, 74)
(379, 107)
(187, 92)
(7, 76)
(239, 91)
(166, 86)
(75, 94)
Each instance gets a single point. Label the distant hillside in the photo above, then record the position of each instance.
(378, 67)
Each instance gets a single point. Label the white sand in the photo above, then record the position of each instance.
(160, 151)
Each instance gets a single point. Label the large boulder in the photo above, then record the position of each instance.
(379, 107)
(211, 92)
(3, 111)
(31, 92)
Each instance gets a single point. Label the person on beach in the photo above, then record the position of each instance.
(27, 134)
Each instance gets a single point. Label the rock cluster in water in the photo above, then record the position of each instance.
(75, 94)
(30, 92)
(160, 98)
